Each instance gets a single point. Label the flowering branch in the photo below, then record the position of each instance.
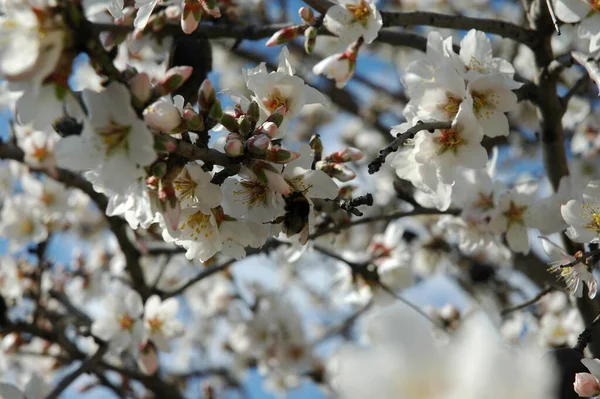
(401, 138)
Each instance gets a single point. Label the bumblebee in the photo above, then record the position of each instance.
(295, 220)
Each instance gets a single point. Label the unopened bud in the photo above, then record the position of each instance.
(253, 111)
(307, 15)
(259, 144)
(337, 170)
(311, 39)
(174, 78)
(316, 144)
(173, 12)
(191, 16)
(279, 155)
(148, 359)
(141, 88)
(269, 128)
(586, 385)
(206, 95)
(164, 144)
(244, 125)
(159, 170)
(162, 115)
(193, 120)
(346, 155)
(276, 118)
(211, 7)
(229, 122)
(285, 35)
(216, 112)
(234, 147)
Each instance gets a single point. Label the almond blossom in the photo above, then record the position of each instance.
(21, 222)
(281, 91)
(114, 141)
(583, 217)
(352, 19)
(574, 276)
(160, 321)
(587, 13)
(121, 326)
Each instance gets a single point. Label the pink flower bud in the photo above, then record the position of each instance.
(337, 170)
(279, 155)
(173, 12)
(346, 155)
(234, 147)
(148, 359)
(193, 120)
(586, 385)
(189, 22)
(206, 95)
(285, 35)
(141, 88)
(269, 128)
(211, 7)
(162, 115)
(174, 78)
(259, 144)
(307, 15)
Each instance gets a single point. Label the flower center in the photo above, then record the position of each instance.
(47, 198)
(253, 193)
(475, 65)
(155, 324)
(594, 224)
(484, 201)
(196, 224)
(114, 137)
(450, 107)
(126, 322)
(483, 103)
(595, 4)
(450, 140)
(361, 12)
(27, 227)
(185, 186)
(40, 153)
(276, 100)
(515, 213)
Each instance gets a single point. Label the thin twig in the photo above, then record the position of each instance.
(202, 275)
(583, 258)
(527, 303)
(86, 366)
(344, 327)
(553, 16)
(403, 137)
(586, 336)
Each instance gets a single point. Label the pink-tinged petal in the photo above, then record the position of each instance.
(586, 385)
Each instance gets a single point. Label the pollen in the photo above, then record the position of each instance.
(126, 322)
(450, 140)
(361, 12)
(155, 324)
(40, 153)
(185, 185)
(196, 225)
(114, 137)
(276, 100)
(252, 193)
(484, 103)
(450, 107)
(475, 65)
(515, 213)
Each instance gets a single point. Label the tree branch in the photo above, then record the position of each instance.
(85, 367)
(401, 138)
(527, 303)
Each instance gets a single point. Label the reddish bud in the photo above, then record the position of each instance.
(307, 15)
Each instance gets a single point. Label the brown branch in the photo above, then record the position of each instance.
(86, 366)
(376, 164)
(385, 217)
(201, 276)
(527, 303)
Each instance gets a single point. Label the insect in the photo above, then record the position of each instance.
(295, 219)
